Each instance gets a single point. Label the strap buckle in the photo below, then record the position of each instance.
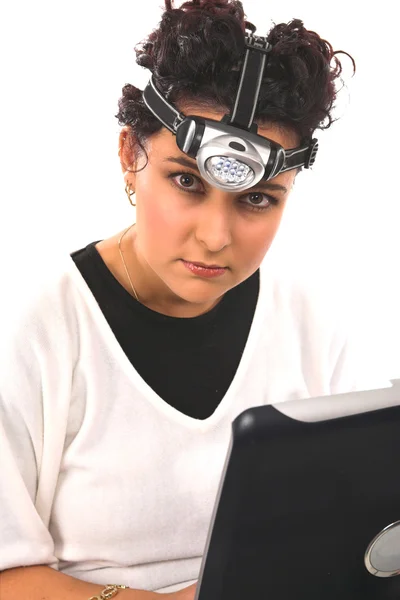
(256, 42)
(312, 153)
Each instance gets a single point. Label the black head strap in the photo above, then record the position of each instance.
(257, 49)
(157, 104)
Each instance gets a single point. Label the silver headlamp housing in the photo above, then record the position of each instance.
(225, 159)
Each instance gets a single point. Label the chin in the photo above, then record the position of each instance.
(200, 292)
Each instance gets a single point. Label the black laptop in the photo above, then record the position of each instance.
(309, 503)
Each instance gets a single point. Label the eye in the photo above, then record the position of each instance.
(258, 201)
(186, 182)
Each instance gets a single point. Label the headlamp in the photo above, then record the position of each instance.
(230, 154)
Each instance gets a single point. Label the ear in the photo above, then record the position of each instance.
(127, 155)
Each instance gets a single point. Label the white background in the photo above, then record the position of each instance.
(63, 67)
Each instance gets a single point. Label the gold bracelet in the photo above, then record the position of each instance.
(109, 591)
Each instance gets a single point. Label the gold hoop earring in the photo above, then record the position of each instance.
(130, 192)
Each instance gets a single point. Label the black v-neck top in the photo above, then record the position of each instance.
(188, 362)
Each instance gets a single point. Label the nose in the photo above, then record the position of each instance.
(214, 223)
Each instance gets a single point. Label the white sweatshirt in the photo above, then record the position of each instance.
(103, 480)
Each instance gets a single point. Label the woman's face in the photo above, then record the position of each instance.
(181, 220)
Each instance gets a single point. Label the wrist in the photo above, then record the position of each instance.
(108, 592)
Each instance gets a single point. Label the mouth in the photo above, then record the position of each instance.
(203, 270)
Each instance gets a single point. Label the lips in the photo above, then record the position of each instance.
(203, 270)
(200, 264)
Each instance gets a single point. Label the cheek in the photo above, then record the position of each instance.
(153, 216)
(158, 221)
(259, 237)
(256, 240)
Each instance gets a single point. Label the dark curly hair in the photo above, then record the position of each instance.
(196, 54)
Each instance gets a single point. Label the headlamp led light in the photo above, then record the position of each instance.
(227, 170)
(230, 154)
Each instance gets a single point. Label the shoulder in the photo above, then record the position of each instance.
(42, 308)
(321, 316)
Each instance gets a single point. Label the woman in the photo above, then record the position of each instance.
(118, 392)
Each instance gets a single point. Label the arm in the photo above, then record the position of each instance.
(29, 459)
(44, 583)
(34, 404)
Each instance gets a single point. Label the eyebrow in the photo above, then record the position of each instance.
(185, 162)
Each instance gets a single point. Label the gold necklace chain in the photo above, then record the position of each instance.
(124, 263)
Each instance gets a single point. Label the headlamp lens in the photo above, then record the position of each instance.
(229, 170)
